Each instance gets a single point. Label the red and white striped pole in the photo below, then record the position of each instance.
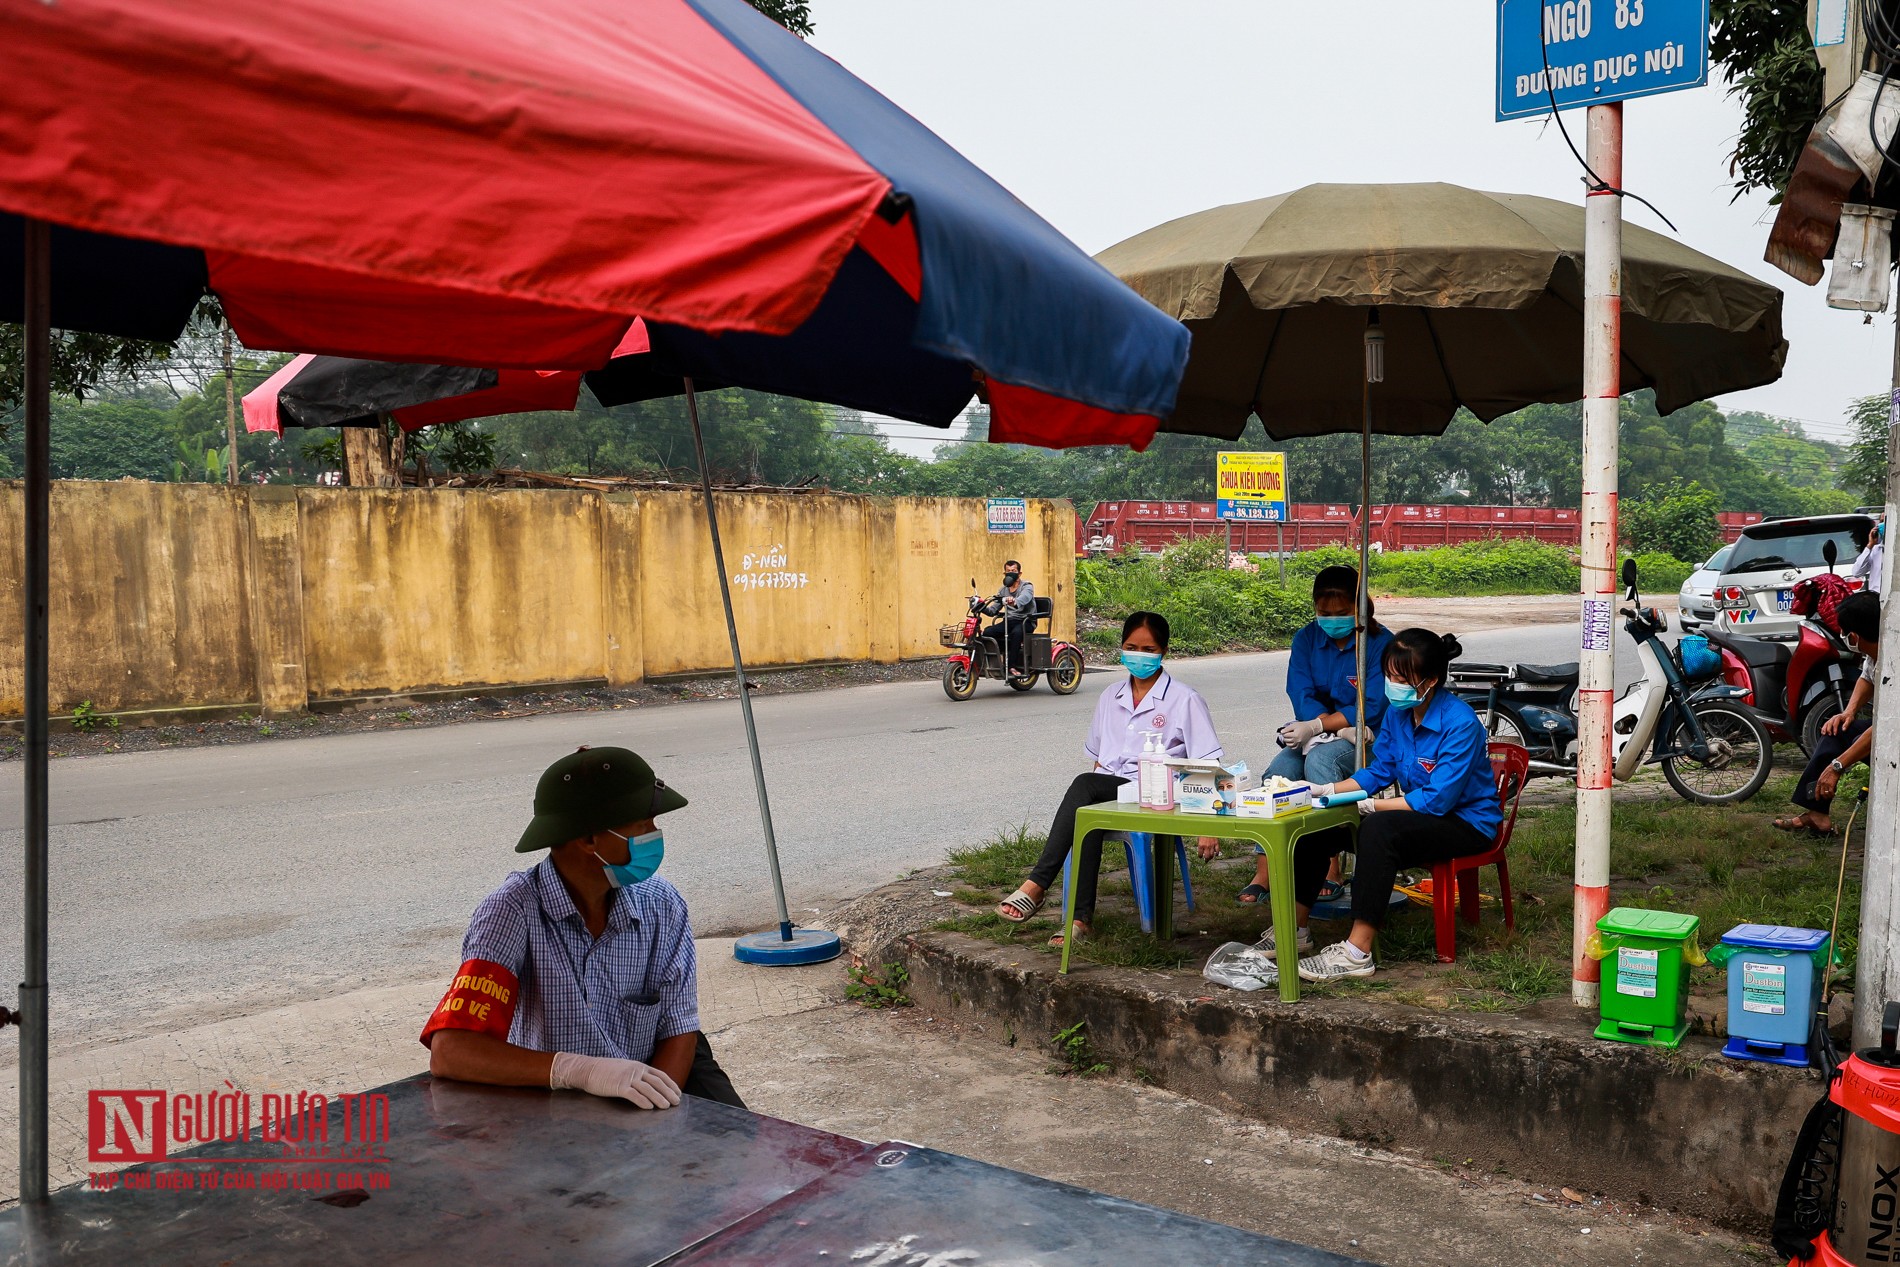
(1602, 392)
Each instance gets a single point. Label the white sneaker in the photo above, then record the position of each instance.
(1337, 960)
(1302, 943)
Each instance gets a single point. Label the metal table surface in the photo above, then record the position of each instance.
(477, 1174)
(480, 1174)
(904, 1206)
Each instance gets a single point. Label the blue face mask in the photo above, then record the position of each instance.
(1399, 695)
(1143, 664)
(643, 859)
(1335, 626)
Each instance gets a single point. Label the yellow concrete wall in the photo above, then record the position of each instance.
(406, 590)
(800, 570)
(945, 545)
(196, 595)
(149, 596)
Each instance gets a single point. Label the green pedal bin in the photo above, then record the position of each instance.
(1642, 996)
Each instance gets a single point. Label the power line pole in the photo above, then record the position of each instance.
(1602, 395)
(1877, 977)
(230, 410)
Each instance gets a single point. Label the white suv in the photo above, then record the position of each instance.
(1757, 584)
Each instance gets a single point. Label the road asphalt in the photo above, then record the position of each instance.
(205, 883)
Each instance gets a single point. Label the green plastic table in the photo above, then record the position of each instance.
(1276, 836)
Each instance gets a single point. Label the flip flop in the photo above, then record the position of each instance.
(1799, 826)
(1018, 907)
(1081, 934)
(1252, 895)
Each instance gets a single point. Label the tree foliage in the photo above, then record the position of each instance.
(1767, 60)
(793, 15)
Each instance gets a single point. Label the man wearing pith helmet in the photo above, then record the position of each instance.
(579, 973)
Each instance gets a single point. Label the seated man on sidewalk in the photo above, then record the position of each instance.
(1845, 740)
(579, 973)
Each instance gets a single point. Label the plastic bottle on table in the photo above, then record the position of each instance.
(1154, 776)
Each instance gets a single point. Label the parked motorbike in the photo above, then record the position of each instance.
(1707, 739)
(1793, 685)
(974, 656)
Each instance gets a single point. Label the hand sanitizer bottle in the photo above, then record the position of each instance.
(1154, 774)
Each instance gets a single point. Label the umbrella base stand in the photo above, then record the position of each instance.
(788, 947)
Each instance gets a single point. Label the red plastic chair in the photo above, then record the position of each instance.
(1511, 764)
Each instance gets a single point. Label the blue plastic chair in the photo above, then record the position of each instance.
(1139, 848)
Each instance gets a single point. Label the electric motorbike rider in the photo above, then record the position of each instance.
(1016, 600)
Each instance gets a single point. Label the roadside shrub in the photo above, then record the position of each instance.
(1677, 519)
(1495, 566)
(1659, 573)
(1194, 554)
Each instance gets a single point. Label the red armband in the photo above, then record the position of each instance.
(481, 998)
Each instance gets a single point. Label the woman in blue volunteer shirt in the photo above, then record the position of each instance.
(1322, 674)
(1148, 702)
(1434, 749)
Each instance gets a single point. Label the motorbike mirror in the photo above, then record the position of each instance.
(973, 582)
(1829, 553)
(1629, 573)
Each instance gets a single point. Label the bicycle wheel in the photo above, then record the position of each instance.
(1740, 756)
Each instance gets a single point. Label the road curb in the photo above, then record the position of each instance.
(1687, 1131)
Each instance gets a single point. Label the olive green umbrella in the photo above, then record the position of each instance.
(1480, 297)
(1440, 295)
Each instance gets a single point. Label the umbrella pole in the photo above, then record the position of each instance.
(788, 945)
(1365, 580)
(1375, 373)
(33, 988)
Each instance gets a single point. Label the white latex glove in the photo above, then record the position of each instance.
(641, 1085)
(1368, 806)
(1295, 733)
(1323, 791)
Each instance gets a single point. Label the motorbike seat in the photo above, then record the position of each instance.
(1549, 674)
(1756, 653)
(1478, 669)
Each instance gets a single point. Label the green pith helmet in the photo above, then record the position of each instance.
(593, 789)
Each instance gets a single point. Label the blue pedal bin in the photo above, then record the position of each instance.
(1773, 973)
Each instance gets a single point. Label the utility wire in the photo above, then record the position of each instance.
(1597, 183)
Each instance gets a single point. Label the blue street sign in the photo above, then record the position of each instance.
(1598, 51)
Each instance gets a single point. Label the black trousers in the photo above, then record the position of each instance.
(1009, 635)
(1389, 842)
(1828, 749)
(1088, 789)
(707, 1080)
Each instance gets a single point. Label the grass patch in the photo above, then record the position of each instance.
(1724, 864)
(878, 988)
(1213, 607)
(1508, 976)
(1076, 1053)
(1000, 862)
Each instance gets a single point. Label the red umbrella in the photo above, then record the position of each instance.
(508, 184)
(279, 399)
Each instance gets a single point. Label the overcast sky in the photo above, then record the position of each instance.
(1109, 117)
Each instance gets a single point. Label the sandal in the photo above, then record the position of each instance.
(1331, 891)
(1081, 931)
(1252, 895)
(1018, 906)
(1800, 826)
